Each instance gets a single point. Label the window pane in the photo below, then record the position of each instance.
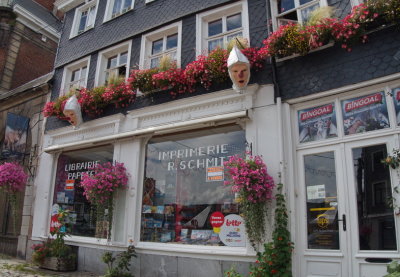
(234, 22)
(127, 4)
(172, 41)
(219, 42)
(91, 16)
(117, 6)
(321, 192)
(155, 62)
(112, 62)
(68, 194)
(306, 12)
(215, 27)
(83, 73)
(157, 46)
(376, 225)
(365, 113)
(230, 37)
(82, 23)
(285, 5)
(304, 1)
(75, 75)
(177, 198)
(123, 58)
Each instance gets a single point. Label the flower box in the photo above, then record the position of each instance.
(58, 264)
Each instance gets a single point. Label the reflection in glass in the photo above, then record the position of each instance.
(68, 193)
(234, 21)
(215, 27)
(321, 192)
(376, 226)
(183, 185)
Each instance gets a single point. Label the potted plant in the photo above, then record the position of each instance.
(54, 254)
(12, 181)
(99, 189)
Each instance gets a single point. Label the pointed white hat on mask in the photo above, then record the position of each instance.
(236, 56)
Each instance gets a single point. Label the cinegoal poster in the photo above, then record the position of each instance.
(365, 113)
(317, 123)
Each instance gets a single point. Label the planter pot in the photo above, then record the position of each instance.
(58, 264)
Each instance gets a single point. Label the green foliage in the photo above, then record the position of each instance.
(276, 260)
(393, 269)
(232, 272)
(122, 260)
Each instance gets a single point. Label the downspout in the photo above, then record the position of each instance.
(278, 100)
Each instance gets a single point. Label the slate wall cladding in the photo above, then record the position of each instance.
(341, 7)
(333, 67)
(257, 22)
(141, 19)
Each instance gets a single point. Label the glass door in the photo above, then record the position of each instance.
(372, 219)
(323, 237)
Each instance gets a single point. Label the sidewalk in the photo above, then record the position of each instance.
(12, 267)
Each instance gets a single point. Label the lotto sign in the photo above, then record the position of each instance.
(69, 184)
(215, 173)
(233, 231)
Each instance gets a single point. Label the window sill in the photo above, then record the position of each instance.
(78, 34)
(110, 18)
(328, 45)
(185, 249)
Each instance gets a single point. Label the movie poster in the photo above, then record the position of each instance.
(15, 137)
(317, 123)
(396, 101)
(365, 113)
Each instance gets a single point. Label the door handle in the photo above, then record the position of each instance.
(344, 221)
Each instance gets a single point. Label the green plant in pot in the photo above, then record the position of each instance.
(54, 254)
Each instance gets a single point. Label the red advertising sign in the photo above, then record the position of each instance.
(217, 219)
(55, 224)
(362, 102)
(317, 112)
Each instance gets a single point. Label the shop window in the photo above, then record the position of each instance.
(85, 17)
(294, 11)
(113, 64)
(218, 27)
(117, 7)
(75, 76)
(183, 185)
(163, 42)
(68, 194)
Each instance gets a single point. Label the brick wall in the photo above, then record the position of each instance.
(48, 4)
(35, 58)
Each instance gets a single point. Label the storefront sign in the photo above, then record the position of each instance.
(366, 113)
(193, 158)
(233, 231)
(317, 123)
(396, 101)
(215, 173)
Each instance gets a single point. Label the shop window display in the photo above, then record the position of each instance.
(183, 185)
(68, 194)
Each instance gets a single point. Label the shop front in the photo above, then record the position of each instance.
(176, 199)
(345, 196)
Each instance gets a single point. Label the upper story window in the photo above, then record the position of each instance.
(292, 11)
(113, 63)
(219, 26)
(85, 17)
(117, 7)
(75, 76)
(163, 42)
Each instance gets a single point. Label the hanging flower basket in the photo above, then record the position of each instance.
(99, 189)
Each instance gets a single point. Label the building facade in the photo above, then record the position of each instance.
(322, 122)
(29, 36)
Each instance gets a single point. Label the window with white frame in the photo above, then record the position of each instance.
(85, 17)
(217, 27)
(113, 63)
(163, 42)
(117, 7)
(75, 76)
(292, 11)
